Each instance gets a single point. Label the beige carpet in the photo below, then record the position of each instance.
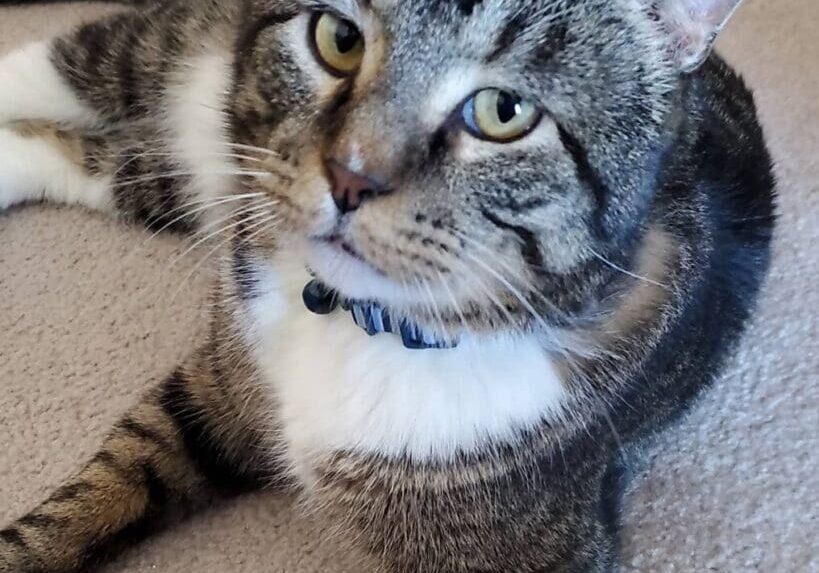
(87, 321)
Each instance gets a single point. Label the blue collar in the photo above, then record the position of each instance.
(371, 317)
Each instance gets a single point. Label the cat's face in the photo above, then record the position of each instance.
(503, 146)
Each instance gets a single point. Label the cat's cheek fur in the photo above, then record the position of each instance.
(470, 149)
(341, 390)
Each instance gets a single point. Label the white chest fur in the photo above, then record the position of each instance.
(340, 389)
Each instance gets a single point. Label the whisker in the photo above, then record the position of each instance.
(157, 153)
(253, 148)
(204, 200)
(435, 310)
(261, 227)
(526, 283)
(487, 292)
(612, 265)
(188, 173)
(508, 286)
(255, 206)
(453, 300)
(208, 203)
(210, 253)
(217, 232)
(200, 209)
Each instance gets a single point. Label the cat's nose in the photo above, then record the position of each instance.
(351, 189)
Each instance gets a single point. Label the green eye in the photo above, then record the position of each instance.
(337, 44)
(500, 116)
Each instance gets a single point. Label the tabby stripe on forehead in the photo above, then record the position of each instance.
(552, 42)
(468, 6)
(513, 28)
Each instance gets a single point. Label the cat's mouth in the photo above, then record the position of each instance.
(341, 266)
(336, 241)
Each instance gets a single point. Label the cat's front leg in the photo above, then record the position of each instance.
(181, 447)
(42, 119)
(32, 87)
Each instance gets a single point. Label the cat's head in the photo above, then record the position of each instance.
(472, 159)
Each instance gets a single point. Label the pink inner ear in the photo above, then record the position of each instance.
(708, 12)
(716, 12)
(693, 26)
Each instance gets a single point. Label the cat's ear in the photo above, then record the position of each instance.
(692, 27)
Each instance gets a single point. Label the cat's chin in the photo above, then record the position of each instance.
(339, 266)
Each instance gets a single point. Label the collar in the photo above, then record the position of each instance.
(371, 317)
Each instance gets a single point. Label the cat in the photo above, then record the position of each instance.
(477, 253)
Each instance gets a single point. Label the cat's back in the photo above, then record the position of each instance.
(732, 152)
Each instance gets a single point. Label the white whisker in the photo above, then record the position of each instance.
(209, 236)
(210, 253)
(628, 273)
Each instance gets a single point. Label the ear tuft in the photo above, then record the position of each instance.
(693, 26)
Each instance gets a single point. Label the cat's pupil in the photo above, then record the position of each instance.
(347, 37)
(508, 107)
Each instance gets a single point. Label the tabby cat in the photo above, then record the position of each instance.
(476, 252)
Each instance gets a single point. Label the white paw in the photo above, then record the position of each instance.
(33, 169)
(31, 88)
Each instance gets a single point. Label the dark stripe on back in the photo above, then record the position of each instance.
(200, 441)
(529, 249)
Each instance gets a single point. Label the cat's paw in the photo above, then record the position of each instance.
(38, 163)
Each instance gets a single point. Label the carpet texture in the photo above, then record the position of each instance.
(91, 314)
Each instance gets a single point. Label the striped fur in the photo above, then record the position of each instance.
(615, 251)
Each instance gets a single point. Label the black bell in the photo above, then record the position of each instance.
(318, 298)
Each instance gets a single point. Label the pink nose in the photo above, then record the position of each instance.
(351, 189)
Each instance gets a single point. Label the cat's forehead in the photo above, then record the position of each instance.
(456, 12)
(476, 28)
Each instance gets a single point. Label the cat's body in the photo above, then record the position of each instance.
(594, 269)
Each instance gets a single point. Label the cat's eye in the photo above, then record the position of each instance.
(337, 43)
(498, 115)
